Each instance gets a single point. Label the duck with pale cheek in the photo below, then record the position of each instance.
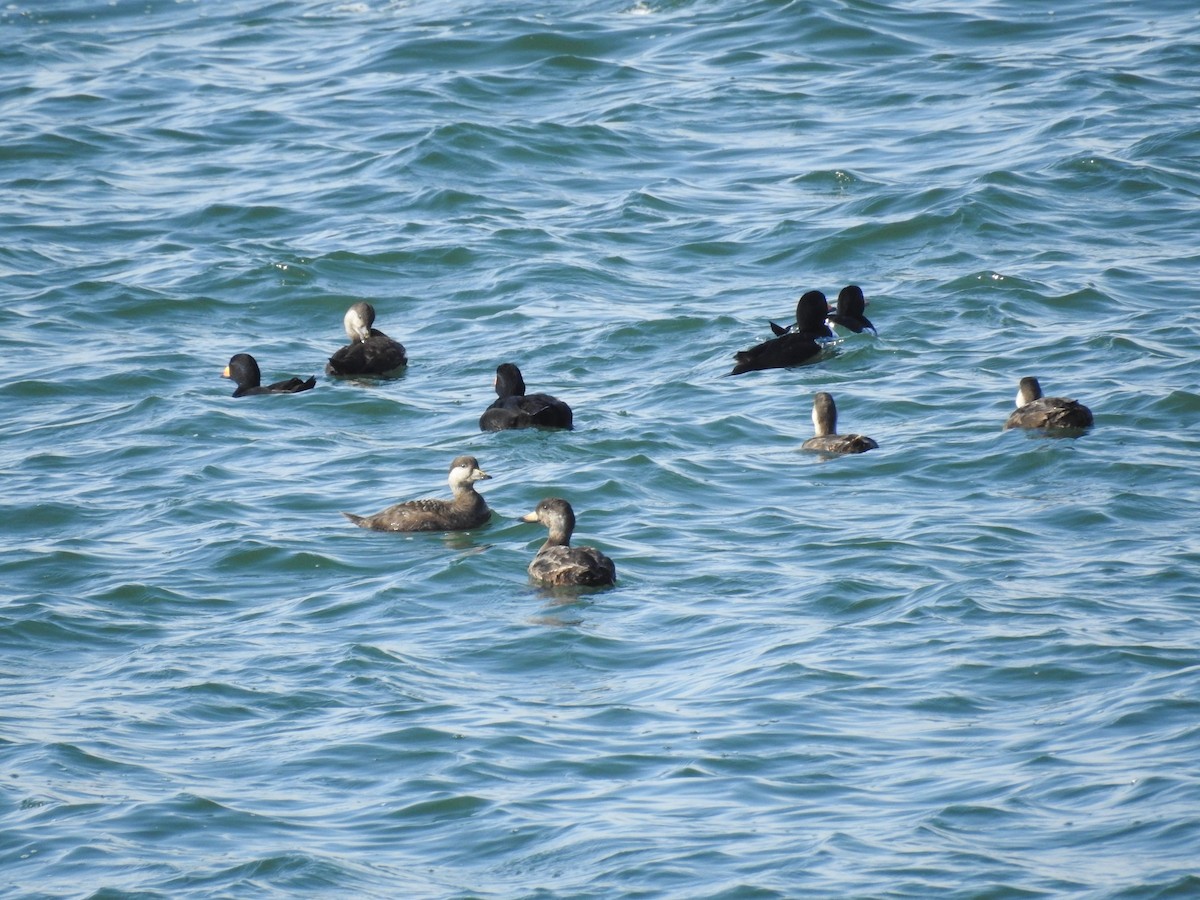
(851, 308)
(1047, 413)
(557, 562)
(244, 372)
(465, 511)
(513, 408)
(370, 351)
(827, 440)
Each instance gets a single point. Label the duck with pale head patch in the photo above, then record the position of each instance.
(465, 511)
(1047, 413)
(370, 351)
(826, 439)
(557, 562)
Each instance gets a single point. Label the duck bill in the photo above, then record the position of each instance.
(529, 517)
(225, 374)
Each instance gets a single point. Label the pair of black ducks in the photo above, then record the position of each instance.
(556, 563)
(803, 341)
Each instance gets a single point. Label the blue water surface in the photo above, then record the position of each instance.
(965, 664)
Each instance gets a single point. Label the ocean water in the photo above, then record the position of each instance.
(966, 664)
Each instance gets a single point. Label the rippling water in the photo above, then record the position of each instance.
(965, 664)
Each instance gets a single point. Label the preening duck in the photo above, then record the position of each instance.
(557, 562)
(827, 440)
(1049, 413)
(466, 511)
(370, 351)
(514, 408)
(244, 372)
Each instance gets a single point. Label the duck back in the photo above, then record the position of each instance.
(583, 566)
(840, 443)
(792, 349)
(1051, 413)
(526, 411)
(377, 355)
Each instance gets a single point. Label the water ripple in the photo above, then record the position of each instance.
(959, 665)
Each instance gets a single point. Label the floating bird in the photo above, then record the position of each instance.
(370, 351)
(778, 353)
(793, 346)
(851, 305)
(557, 562)
(243, 370)
(467, 510)
(1053, 413)
(516, 409)
(827, 440)
(811, 310)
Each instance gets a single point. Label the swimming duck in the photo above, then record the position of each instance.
(557, 562)
(827, 440)
(1035, 411)
(791, 347)
(467, 510)
(811, 310)
(782, 352)
(370, 351)
(850, 307)
(243, 370)
(516, 409)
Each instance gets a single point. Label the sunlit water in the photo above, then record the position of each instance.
(964, 664)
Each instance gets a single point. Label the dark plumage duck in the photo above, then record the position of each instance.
(851, 304)
(793, 346)
(243, 370)
(811, 310)
(370, 351)
(516, 409)
(778, 353)
(467, 510)
(827, 440)
(557, 562)
(1052, 413)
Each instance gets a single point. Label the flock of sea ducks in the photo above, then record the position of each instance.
(371, 353)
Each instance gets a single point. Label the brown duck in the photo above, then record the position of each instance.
(827, 440)
(467, 510)
(557, 562)
(1049, 413)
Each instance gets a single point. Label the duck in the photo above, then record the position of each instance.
(370, 351)
(791, 346)
(557, 562)
(827, 440)
(514, 408)
(466, 511)
(244, 372)
(850, 307)
(778, 353)
(811, 310)
(1053, 413)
